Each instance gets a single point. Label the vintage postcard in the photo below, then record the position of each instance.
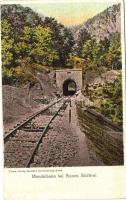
(63, 99)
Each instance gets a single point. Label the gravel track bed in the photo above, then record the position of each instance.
(59, 145)
(26, 136)
(19, 147)
(17, 153)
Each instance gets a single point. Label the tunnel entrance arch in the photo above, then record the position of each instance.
(69, 87)
(63, 75)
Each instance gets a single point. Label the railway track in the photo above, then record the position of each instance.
(21, 143)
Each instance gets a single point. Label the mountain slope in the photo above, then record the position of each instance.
(103, 24)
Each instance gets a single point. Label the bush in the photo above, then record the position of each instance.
(112, 105)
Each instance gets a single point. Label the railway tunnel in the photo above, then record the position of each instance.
(69, 81)
(69, 87)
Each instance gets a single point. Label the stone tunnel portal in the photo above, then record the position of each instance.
(69, 81)
(69, 87)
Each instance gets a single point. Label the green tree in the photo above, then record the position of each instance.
(112, 103)
(114, 52)
(87, 50)
(82, 37)
(7, 43)
(23, 43)
(38, 44)
(63, 38)
(97, 51)
(106, 53)
(43, 49)
(90, 52)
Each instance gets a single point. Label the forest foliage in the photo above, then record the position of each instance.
(112, 102)
(26, 34)
(49, 43)
(105, 53)
(95, 54)
(109, 98)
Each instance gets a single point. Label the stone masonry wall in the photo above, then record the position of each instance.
(65, 74)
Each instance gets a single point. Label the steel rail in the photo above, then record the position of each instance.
(42, 135)
(6, 137)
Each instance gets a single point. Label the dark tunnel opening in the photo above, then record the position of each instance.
(69, 87)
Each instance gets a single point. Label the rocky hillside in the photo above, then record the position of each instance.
(103, 24)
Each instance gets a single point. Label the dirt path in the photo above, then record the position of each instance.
(82, 157)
